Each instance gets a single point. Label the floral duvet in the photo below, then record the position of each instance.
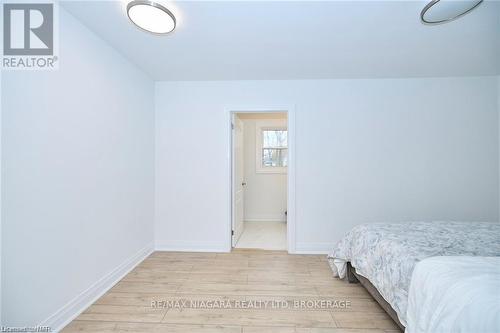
(386, 253)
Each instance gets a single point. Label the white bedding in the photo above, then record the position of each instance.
(455, 294)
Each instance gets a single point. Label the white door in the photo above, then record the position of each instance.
(238, 181)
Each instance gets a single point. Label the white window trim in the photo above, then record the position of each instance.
(263, 125)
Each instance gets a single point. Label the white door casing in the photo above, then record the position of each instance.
(290, 110)
(238, 180)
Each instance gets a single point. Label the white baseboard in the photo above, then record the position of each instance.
(190, 246)
(313, 248)
(266, 220)
(76, 306)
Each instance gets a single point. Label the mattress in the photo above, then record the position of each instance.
(386, 253)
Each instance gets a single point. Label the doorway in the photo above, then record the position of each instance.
(260, 162)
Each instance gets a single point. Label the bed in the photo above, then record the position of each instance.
(382, 256)
(455, 294)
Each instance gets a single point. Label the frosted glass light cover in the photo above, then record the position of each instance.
(440, 11)
(151, 17)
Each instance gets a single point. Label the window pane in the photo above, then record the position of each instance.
(274, 139)
(274, 157)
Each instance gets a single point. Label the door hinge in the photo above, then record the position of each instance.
(232, 232)
(232, 126)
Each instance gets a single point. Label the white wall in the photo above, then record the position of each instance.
(78, 184)
(265, 193)
(1, 213)
(367, 150)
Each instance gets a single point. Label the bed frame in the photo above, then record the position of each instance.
(354, 277)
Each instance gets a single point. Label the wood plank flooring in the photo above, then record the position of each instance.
(246, 291)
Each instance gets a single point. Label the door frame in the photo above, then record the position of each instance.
(291, 217)
(233, 174)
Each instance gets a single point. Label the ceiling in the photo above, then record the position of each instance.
(264, 40)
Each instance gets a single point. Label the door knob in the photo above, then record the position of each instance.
(243, 184)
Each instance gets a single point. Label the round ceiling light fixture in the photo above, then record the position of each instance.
(151, 17)
(442, 11)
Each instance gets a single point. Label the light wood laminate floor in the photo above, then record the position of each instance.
(237, 286)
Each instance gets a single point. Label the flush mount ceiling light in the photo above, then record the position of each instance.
(151, 17)
(442, 11)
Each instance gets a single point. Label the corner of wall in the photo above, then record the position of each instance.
(190, 246)
(498, 113)
(1, 213)
(64, 11)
